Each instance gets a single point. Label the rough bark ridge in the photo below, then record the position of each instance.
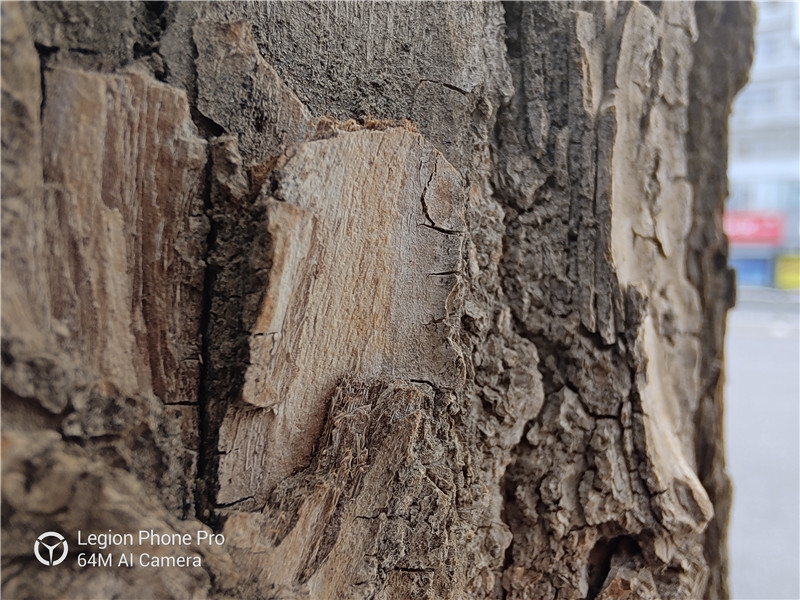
(406, 300)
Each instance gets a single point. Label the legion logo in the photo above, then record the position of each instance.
(51, 548)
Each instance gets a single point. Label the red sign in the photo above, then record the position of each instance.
(750, 227)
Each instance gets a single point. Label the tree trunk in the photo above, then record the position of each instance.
(401, 300)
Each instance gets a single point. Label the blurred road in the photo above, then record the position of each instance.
(763, 441)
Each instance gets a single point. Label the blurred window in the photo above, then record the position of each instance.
(755, 98)
(739, 192)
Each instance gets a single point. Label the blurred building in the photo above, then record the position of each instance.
(763, 212)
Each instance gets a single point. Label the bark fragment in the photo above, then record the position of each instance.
(363, 283)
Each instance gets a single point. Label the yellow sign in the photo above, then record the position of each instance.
(787, 271)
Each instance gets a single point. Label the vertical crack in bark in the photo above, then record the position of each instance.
(44, 52)
(206, 469)
(208, 422)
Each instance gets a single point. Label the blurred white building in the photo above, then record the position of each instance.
(763, 211)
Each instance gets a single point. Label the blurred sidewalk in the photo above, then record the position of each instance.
(762, 417)
(765, 295)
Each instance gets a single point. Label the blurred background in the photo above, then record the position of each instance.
(762, 221)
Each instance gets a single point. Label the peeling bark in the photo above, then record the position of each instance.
(403, 300)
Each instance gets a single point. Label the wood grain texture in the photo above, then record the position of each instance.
(366, 231)
(127, 181)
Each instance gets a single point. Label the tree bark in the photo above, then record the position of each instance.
(403, 300)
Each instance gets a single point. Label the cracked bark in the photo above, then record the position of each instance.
(406, 300)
